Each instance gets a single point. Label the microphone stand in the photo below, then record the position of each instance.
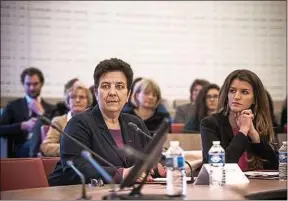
(83, 194)
(136, 192)
(138, 130)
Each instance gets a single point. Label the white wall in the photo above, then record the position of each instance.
(171, 42)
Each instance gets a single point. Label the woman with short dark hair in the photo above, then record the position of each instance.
(104, 129)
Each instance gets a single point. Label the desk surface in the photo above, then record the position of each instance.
(263, 189)
(96, 193)
(193, 192)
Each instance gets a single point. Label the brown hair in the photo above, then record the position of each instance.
(201, 82)
(262, 118)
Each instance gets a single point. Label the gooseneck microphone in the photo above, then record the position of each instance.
(82, 177)
(104, 174)
(138, 130)
(47, 121)
(88, 157)
(129, 151)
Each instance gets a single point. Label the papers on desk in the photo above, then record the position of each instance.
(163, 180)
(261, 175)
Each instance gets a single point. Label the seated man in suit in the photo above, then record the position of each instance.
(19, 116)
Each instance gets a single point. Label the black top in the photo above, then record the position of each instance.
(153, 122)
(90, 129)
(216, 127)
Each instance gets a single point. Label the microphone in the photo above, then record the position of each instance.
(132, 152)
(138, 130)
(96, 165)
(107, 177)
(47, 121)
(83, 194)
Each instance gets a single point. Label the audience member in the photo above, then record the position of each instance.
(147, 97)
(183, 112)
(103, 129)
(60, 109)
(243, 126)
(19, 116)
(78, 98)
(131, 101)
(61, 106)
(206, 104)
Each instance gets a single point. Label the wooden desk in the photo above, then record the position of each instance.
(256, 189)
(73, 192)
(263, 189)
(188, 141)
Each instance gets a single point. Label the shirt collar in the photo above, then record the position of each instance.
(29, 99)
(69, 116)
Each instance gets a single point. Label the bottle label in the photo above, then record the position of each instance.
(216, 158)
(282, 157)
(175, 162)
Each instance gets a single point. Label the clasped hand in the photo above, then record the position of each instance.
(244, 120)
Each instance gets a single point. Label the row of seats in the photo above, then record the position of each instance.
(24, 173)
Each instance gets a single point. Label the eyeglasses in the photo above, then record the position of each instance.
(212, 96)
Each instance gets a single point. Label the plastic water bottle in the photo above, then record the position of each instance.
(216, 160)
(283, 161)
(176, 175)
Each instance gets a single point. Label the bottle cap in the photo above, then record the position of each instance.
(174, 143)
(216, 142)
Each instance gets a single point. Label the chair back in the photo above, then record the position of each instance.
(44, 131)
(177, 127)
(188, 141)
(22, 173)
(49, 164)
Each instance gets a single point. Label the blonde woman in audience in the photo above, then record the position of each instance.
(147, 97)
(243, 126)
(78, 98)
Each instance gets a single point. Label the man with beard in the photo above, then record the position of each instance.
(19, 116)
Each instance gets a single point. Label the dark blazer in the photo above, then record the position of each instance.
(10, 122)
(216, 127)
(193, 125)
(184, 112)
(90, 129)
(153, 122)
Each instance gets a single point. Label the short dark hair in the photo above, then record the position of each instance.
(201, 82)
(112, 65)
(32, 71)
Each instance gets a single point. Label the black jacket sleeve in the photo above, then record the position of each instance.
(70, 150)
(267, 153)
(7, 125)
(210, 131)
